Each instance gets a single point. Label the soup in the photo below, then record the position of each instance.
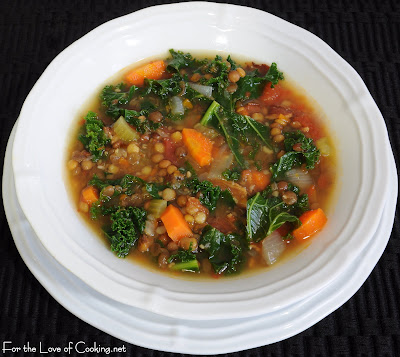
(202, 165)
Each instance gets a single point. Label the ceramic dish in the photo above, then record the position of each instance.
(353, 118)
(183, 336)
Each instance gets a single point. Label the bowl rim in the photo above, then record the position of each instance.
(155, 298)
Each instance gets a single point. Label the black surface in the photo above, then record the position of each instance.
(365, 33)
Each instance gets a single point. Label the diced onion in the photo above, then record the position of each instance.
(176, 104)
(272, 247)
(300, 178)
(202, 89)
(225, 160)
(150, 227)
(124, 131)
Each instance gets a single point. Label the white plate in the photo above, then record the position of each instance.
(46, 116)
(184, 336)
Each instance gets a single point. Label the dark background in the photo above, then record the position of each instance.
(364, 33)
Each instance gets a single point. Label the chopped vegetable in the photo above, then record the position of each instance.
(307, 154)
(176, 104)
(323, 146)
(233, 174)
(265, 215)
(93, 138)
(273, 247)
(90, 195)
(226, 251)
(184, 260)
(223, 125)
(199, 147)
(251, 86)
(312, 222)
(237, 191)
(153, 70)
(127, 224)
(124, 131)
(206, 119)
(175, 224)
(300, 178)
(254, 180)
(156, 208)
(202, 89)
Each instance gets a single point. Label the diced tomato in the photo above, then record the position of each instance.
(284, 229)
(223, 224)
(271, 95)
(169, 153)
(251, 108)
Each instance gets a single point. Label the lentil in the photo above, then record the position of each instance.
(164, 164)
(233, 76)
(156, 158)
(159, 147)
(289, 197)
(169, 194)
(278, 138)
(72, 164)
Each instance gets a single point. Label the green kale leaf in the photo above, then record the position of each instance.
(93, 137)
(265, 215)
(309, 151)
(232, 174)
(209, 194)
(141, 125)
(308, 155)
(249, 129)
(251, 86)
(127, 224)
(129, 185)
(114, 96)
(273, 75)
(225, 251)
(182, 60)
(164, 88)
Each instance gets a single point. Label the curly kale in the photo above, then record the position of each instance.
(127, 224)
(181, 60)
(112, 97)
(93, 137)
(210, 195)
(308, 154)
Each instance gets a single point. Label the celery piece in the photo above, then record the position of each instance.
(124, 131)
(156, 208)
(209, 113)
(192, 266)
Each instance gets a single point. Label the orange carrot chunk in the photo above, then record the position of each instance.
(90, 195)
(153, 70)
(175, 224)
(312, 222)
(199, 146)
(255, 181)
